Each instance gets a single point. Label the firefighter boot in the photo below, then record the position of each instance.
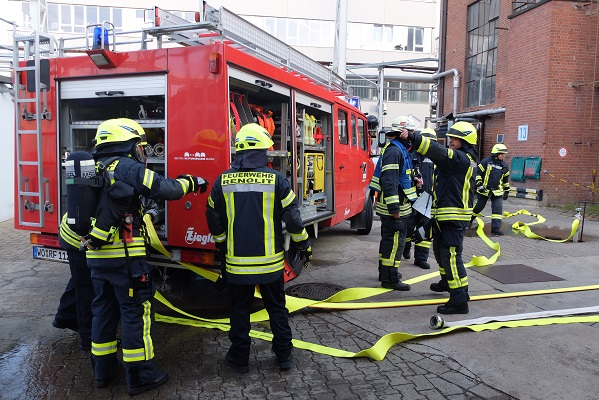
(406, 250)
(440, 286)
(391, 280)
(143, 376)
(449, 308)
(422, 264)
(458, 302)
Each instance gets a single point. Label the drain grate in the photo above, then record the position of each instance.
(516, 273)
(313, 291)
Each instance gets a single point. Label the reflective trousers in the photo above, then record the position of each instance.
(496, 208)
(75, 306)
(273, 296)
(421, 249)
(393, 239)
(447, 247)
(121, 295)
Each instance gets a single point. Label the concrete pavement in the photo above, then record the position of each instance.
(549, 362)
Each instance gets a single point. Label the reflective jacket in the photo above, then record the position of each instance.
(134, 180)
(454, 190)
(426, 167)
(67, 237)
(394, 171)
(244, 213)
(494, 175)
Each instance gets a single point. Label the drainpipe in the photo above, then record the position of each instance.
(479, 113)
(442, 54)
(456, 85)
(380, 108)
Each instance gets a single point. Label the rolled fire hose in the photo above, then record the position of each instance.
(437, 322)
(159, 149)
(149, 150)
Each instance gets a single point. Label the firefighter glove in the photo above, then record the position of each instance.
(195, 183)
(306, 255)
(506, 194)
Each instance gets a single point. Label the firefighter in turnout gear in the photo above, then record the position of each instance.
(116, 255)
(452, 208)
(75, 307)
(493, 181)
(426, 169)
(393, 179)
(245, 211)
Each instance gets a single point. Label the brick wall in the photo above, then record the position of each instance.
(544, 54)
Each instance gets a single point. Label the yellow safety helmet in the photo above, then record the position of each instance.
(131, 124)
(252, 137)
(463, 130)
(499, 148)
(119, 130)
(429, 133)
(402, 122)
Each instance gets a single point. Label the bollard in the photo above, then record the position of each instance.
(577, 216)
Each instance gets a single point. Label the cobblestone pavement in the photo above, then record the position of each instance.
(40, 362)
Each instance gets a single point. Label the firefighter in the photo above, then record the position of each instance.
(116, 255)
(492, 181)
(244, 212)
(426, 169)
(452, 208)
(393, 179)
(75, 306)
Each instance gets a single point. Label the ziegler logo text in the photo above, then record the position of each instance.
(192, 237)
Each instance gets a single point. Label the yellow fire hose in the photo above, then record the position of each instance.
(343, 300)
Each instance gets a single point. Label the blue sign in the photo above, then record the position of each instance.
(354, 101)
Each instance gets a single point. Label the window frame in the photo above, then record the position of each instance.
(342, 127)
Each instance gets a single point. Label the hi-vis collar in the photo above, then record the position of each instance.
(341, 300)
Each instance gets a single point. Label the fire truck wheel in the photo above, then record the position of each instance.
(293, 258)
(369, 216)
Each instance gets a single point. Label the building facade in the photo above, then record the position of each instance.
(383, 31)
(528, 75)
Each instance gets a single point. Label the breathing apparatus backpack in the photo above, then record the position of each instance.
(83, 190)
(95, 206)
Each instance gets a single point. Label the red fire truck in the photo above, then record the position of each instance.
(191, 93)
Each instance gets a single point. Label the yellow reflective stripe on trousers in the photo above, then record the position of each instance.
(102, 349)
(146, 352)
(391, 261)
(133, 355)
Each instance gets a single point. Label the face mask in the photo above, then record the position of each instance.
(139, 153)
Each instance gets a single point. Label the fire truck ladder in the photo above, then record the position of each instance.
(30, 49)
(225, 25)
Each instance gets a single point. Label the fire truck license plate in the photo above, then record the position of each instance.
(46, 253)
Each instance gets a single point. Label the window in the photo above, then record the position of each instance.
(481, 61)
(74, 18)
(354, 131)
(392, 91)
(414, 92)
(362, 136)
(415, 39)
(363, 89)
(342, 126)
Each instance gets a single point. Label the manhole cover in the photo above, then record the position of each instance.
(313, 291)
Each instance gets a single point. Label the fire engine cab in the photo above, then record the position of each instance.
(191, 94)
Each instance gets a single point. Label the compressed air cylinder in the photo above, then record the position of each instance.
(82, 191)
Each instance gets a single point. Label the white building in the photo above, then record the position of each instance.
(379, 31)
